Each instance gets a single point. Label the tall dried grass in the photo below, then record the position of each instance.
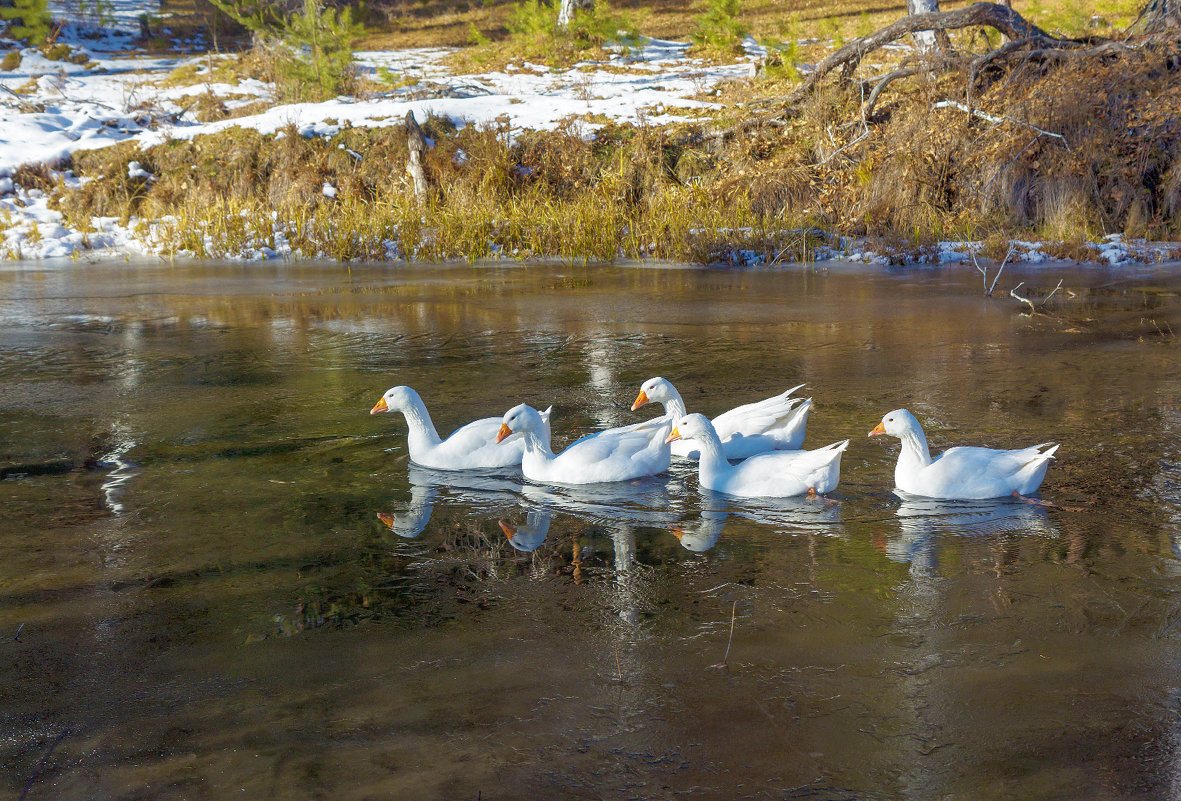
(918, 175)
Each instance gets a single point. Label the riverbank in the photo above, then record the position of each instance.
(614, 157)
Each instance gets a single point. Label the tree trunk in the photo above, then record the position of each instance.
(1161, 16)
(568, 7)
(924, 39)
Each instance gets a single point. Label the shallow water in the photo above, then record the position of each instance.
(211, 606)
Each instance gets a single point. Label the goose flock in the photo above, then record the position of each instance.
(765, 438)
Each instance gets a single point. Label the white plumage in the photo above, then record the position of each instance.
(617, 454)
(778, 474)
(470, 447)
(776, 423)
(962, 473)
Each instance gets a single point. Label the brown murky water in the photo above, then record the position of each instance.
(208, 606)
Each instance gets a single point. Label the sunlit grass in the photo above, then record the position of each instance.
(678, 223)
(445, 23)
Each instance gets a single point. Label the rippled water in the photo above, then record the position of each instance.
(209, 605)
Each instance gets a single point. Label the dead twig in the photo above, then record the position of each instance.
(864, 134)
(1032, 306)
(988, 288)
(733, 617)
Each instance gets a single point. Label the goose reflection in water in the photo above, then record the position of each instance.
(700, 535)
(642, 502)
(613, 506)
(411, 522)
(481, 490)
(530, 535)
(923, 520)
(812, 515)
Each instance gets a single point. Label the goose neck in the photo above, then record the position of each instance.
(712, 463)
(915, 453)
(537, 446)
(674, 405)
(422, 433)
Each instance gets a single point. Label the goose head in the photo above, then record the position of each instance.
(519, 420)
(654, 389)
(691, 426)
(395, 399)
(896, 423)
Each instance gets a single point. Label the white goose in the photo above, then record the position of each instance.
(470, 447)
(777, 423)
(611, 455)
(961, 473)
(765, 475)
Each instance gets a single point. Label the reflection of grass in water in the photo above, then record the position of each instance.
(464, 567)
(381, 582)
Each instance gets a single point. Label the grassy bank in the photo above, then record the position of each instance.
(1064, 150)
(913, 176)
(628, 192)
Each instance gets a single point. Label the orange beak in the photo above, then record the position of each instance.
(509, 531)
(387, 519)
(673, 436)
(677, 532)
(504, 432)
(380, 406)
(879, 431)
(641, 399)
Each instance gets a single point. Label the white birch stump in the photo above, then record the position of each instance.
(568, 7)
(416, 143)
(925, 40)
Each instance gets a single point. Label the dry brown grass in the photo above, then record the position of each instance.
(421, 23)
(548, 194)
(916, 175)
(919, 176)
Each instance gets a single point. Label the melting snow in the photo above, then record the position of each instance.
(50, 109)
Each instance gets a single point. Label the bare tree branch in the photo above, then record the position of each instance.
(1005, 20)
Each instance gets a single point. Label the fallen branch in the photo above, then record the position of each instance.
(882, 82)
(1004, 19)
(1033, 308)
(993, 118)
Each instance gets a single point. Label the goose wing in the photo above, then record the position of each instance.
(758, 417)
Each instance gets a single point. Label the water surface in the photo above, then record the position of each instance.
(211, 605)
